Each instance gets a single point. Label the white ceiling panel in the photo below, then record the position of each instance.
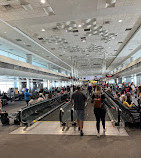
(81, 32)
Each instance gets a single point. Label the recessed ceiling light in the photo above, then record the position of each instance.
(5, 32)
(43, 1)
(120, 20)
(79, 25)
(43, 30)
(84, 41)
(109, 47)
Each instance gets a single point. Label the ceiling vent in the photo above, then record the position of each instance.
(40, 38)
(18, 40)
(28, 45)
(75, 31)
(120, 42)
(128, 29)
(83, 38)
(106, 22)
(110, 3)
(87, 30)
(55, 29)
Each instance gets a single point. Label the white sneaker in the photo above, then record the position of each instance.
(104, 130)
(98, 134)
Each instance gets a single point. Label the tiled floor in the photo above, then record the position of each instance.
(53, 128)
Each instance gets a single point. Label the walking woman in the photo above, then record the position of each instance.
(99, 109)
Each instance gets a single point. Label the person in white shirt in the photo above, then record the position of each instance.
(133, 89)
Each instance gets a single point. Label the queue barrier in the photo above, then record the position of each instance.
(129, 115)
(37, 111)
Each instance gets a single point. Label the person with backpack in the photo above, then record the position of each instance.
(99, 109)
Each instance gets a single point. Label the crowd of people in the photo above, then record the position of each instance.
(124, 92)
(45, 94)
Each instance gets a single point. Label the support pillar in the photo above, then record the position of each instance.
(45, 84)
(27, 83)
(135, 79)
(29, 58)
(131, 59)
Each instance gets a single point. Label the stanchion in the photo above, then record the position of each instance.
(72, 115)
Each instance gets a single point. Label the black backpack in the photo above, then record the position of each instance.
(4, 118)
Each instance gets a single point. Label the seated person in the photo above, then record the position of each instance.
(62, 91)
(121, 97)
(125, 103)
(40, 98)
(65, 92)
(50, 95)
(129, 98)
(110, 91)
(58, 93)
(32, 101)
(116, 95)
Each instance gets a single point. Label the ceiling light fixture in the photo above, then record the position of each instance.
(43, 1)
(79, 25)
(120, 20)
(43, 30)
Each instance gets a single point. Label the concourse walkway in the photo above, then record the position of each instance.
(50, 125)
(53, 128)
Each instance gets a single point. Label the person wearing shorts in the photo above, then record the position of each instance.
(79, 100)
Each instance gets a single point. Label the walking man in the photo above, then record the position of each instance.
(79, 100)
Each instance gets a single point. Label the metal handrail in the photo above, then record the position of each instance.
(127, 114)
(40, 105)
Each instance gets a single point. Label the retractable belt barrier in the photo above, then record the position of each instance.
(129, 115)
(37, 111)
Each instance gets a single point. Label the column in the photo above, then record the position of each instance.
(59, 70)
(72, 73)
(131, 59)
(31, 84)
(29, 58)
(123, 79)
(15, 83)
(135, 79)
(27, 83)
(45, 84)
(49, 66)
(19, 84)
(48, 84)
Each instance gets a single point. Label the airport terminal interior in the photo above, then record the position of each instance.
(65, 67)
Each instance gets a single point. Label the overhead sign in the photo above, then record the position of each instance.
(109, 75)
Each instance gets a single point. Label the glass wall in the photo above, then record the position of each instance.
(35, 61)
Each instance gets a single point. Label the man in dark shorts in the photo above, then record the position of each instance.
(79, 106)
